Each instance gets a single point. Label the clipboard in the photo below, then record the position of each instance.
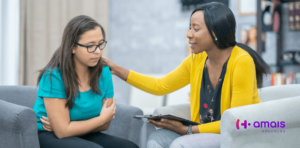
(167, 116)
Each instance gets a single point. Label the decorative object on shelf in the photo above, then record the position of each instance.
(267, 24)
(294, 15)
(297, 15)
(248, 35)
(271, 16)
(247, 7)
(291, 16)
(290, 58)
(277, 18)
(283, 79)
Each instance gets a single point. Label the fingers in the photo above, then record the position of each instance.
(45, 118)
(47, 128)
(166, 121)
(47, 123)
(157, 124)
(105, 60)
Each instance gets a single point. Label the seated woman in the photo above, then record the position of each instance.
(76, 93)
(222, 75)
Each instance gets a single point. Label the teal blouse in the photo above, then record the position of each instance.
(85, 107)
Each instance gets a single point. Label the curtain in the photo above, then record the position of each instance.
(41, 27)
(9, 41)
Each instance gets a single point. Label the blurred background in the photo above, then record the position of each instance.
(147, 36)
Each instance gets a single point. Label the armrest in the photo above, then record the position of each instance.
(286, 110)
(182, 110)
(124, 125)
(18, 127)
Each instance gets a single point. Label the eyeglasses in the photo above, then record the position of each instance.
(93, 48)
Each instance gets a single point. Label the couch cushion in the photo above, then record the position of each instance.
(279, 92)
(21, 95)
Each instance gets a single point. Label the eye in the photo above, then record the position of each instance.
(196, 29)
(90, 46)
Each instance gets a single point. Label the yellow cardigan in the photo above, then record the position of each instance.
(239, 86)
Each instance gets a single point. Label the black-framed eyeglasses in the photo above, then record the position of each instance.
(93, 48)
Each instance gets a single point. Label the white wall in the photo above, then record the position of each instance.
(9, 41)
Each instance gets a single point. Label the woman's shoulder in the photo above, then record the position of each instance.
(52, 72)
(240, 54)
(241, 58)
(52, 77)
(105, 72)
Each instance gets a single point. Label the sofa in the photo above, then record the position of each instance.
(279, 103)
(18, 127)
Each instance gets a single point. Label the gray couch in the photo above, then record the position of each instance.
(279, 103)
(18, 127)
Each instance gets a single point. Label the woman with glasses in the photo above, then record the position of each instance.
(222, 74)
(76, 93)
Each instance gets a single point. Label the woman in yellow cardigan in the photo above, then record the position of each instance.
(222, 74)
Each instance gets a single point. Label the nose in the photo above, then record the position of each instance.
(189, 34)
(97, 51)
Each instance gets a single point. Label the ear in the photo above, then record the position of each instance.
(73, 50)
(216, 39)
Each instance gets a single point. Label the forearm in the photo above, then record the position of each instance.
(121, 72)
(102, 128)
(78, 128)
(184, 129)
(106, 125)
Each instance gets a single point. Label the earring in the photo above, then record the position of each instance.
(73, 52)
(216, 39)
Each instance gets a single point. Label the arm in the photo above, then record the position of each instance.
(243, 83)
(175, 80)
(106, 125)
(60, 119)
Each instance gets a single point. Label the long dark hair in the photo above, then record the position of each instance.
(63, 58)
(220, 20)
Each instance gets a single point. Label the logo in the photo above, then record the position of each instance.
(262, 124)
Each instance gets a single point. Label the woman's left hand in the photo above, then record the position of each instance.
(172, 125)
(46, 124)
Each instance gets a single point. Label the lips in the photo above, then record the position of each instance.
(95, 59)
(192, 44)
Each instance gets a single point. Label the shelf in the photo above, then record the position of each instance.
(285, 1)
(284, 64)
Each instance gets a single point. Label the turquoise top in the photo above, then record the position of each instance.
(85, 107)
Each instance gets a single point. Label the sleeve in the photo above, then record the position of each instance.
(175, 80)
(212, 127)
(243, 82)
(52, 89)
(108, 79)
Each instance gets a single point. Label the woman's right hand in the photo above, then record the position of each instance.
(108, 112)
(110, 64)
(115, 69)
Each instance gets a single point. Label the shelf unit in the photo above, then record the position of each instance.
(279, 50)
